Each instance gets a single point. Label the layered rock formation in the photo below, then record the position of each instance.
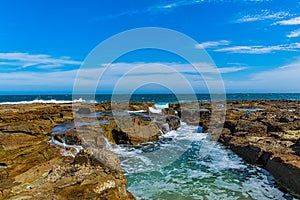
(31, 167)
(265, 133)
(37, 163)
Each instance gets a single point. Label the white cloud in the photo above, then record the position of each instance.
(293, 34)
(264, 15)
(293, 21)
(210, 44)
(194, 2)
(34, 81)
(169, 7)
(180, 3)
(260, 49)
(281, 79)
(225, 70)
(118, 69)
(284, 78)
(88, 78)
(24, 60)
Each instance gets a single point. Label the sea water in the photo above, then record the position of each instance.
(172, 168)
(158, 98)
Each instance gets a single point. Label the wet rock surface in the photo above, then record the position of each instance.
(265, 133)
(33, 167)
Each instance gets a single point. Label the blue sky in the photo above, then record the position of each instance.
(254, 43)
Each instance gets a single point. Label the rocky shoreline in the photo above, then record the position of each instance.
(264, 133)
(37, 163)
(31, 167)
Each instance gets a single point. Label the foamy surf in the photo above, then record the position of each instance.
(157, 109)
(80, 100)
(154, 155)
(172, 169)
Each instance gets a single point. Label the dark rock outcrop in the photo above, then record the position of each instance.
(173, 122)
(296, 147)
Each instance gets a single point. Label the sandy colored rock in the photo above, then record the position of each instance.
(31, 167)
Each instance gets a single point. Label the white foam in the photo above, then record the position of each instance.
(221, 175)
(48, 101)
(64, 151)
(161, 106)
(155, 155)
(137, 111)
(157, 109)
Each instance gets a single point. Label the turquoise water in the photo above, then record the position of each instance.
(175, 169)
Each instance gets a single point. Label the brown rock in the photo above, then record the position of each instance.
(296, 147)
(268, 138)
(173, 122)
(84, 111)
(252, 128)
(287, 174)
(131, 131)
(33, 168)
(70, 137)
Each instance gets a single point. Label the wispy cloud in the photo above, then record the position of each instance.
(24, 60)
(121, 14)
(264, 15)
(132, 73)
(171, 75)
(35, 81)
(293, 34)
(293, 21)
(260, 49)
(150, 9)
(210, 44)
(181, 3)
(118, 69)
(163, 7)
(225, 70)
(284, 78)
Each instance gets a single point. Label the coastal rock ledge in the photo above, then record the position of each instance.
(31, 167)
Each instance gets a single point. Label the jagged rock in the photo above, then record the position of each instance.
(258, 131)
(173, 122)
(84, 111)
(267, 137)
(252, 128)
(120, 137)
(286, 171)
(98, 157)
(168, 111)
(70, 137)
(296, 147)
(131, 131)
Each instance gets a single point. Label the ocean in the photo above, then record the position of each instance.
(156, 98)
(171, 168)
